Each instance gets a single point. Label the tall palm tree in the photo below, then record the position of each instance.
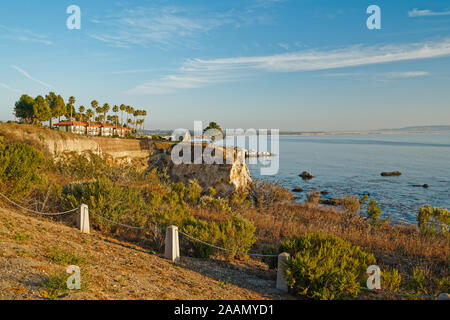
(72, 101)
(81, 109)
(143, 114)
(127, 109)
(122, 108)
(99, 111)
(105, 111)
(89, 114)
(115, 110)
(94, 105)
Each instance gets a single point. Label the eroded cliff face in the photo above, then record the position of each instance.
(223, 177)
(57, 143)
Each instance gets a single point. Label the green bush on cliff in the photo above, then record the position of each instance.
(434, 221)
(238, 234)
(105, 198)
(325, 267)
(204, 231)
(21, 169)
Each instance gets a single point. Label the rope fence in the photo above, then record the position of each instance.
(172, 249)
(36, 212)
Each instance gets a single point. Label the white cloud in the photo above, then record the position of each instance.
(284, 46)
(407, 74)
(166, 26)
(24, 35)
(9, 88)
(27, 75)
(144, 26)
(197, 73)
(426, 13)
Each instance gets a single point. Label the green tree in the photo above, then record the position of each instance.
(89, 114)
(57, 106)
(24, 109)
(105, 109)
(122, 108)
(70, 108)
(213, 131)
(41, 110)
(94, 105)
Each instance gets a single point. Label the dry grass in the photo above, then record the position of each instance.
(34, 268)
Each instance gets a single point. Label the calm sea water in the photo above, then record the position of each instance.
(351, 165)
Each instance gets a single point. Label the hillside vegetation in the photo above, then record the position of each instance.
(262, 218)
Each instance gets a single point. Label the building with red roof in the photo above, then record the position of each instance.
(92, 128)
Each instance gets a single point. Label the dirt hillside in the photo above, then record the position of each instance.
(35, 250)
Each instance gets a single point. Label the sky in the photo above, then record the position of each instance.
(293, 65)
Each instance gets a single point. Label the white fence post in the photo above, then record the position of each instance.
(83, 219)
(172, 249)
(281, 276)
(444, 296)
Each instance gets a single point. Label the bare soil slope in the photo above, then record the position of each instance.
(34, 248)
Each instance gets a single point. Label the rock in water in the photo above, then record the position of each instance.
(306, 175)
(297, 189)
(391, 174)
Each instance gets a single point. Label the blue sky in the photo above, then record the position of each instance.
(288, 64)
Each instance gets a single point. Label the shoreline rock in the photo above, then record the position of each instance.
(391, 174)
(305, 175)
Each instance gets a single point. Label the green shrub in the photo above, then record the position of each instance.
(416, 283)
(54, 285)
(221, 205)
(209, 233)
(64, 257)
(193, 192)
(105, 198)
(87, 166)
(212, 192)
(269, 249)
(238, 234)
(266, 193)
(391, 280)
(21, 169)
(374, 213)
(434, 221)
(325, 267)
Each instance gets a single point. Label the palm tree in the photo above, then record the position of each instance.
(136, 114)
(105, 111)
(115, 110)
(81, 109)
(122, 108)
(127, 109)
(94, 105)
(99, 111)
(143, 114)
(89, 114)
(70, 105)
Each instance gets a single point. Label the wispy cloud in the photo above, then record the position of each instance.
(174, 25)
(27, 75)
(407, 74)
(196, 73)
(163, 25)
(426, 13)
(9, 88)
(24, 35)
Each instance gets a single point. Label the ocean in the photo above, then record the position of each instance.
(349, 165)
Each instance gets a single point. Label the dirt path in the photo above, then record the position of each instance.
(33, 248)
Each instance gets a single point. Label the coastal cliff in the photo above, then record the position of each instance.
(223, 177)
